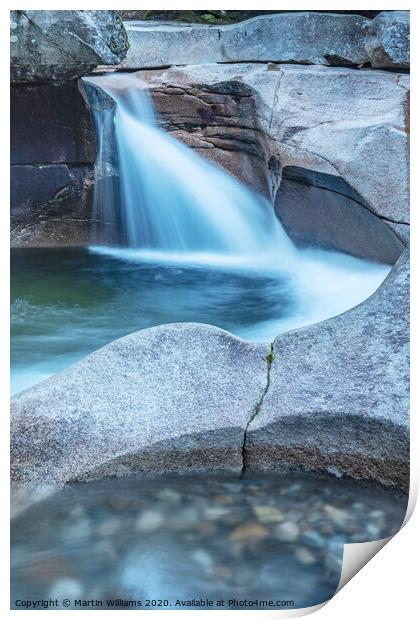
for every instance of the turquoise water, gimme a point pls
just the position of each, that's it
(68, 302)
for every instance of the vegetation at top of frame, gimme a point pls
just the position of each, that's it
(219, 17)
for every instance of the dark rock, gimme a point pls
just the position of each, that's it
(52, 153)
(50, 205)
(50, 123)
(220, 122)
(62, 45)
(388, 40)
(324, 210)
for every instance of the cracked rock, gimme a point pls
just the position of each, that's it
(167, 399)
(338, 394)
(308, 38)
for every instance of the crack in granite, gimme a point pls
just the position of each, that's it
(269, 358)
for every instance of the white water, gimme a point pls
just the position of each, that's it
(175, 207)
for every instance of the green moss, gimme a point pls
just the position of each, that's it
(208, 17)
(270, 357)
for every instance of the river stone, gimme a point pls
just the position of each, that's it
(167, 399)
(388, 40)
(338, 393)
(62, 45)
(309, 38)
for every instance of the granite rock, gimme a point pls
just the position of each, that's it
(167, 399)
(308, 38)
(63, 45)
(388, 40)
(349, 124)
(338, 394)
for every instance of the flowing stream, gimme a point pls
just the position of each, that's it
(173, 201)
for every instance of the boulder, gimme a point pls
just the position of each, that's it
(338, 396)
(189, 398)
(166, 399)
(388, 40)
(308, 38)
(62, 45)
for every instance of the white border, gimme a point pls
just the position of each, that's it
(387, 585)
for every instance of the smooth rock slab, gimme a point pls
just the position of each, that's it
(338, 397)
(170, 398)
(308, 38)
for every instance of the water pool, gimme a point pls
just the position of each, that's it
(68, 302)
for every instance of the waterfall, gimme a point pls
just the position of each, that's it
(165, 198)
(156, 200)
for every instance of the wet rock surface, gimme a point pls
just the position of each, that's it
(53, 148)
(271, 538)
(63, 45)
(51, 205)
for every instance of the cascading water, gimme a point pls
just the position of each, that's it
(172, 200)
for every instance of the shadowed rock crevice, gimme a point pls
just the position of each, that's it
(322, 209)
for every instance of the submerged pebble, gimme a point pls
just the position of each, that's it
(287, 531)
